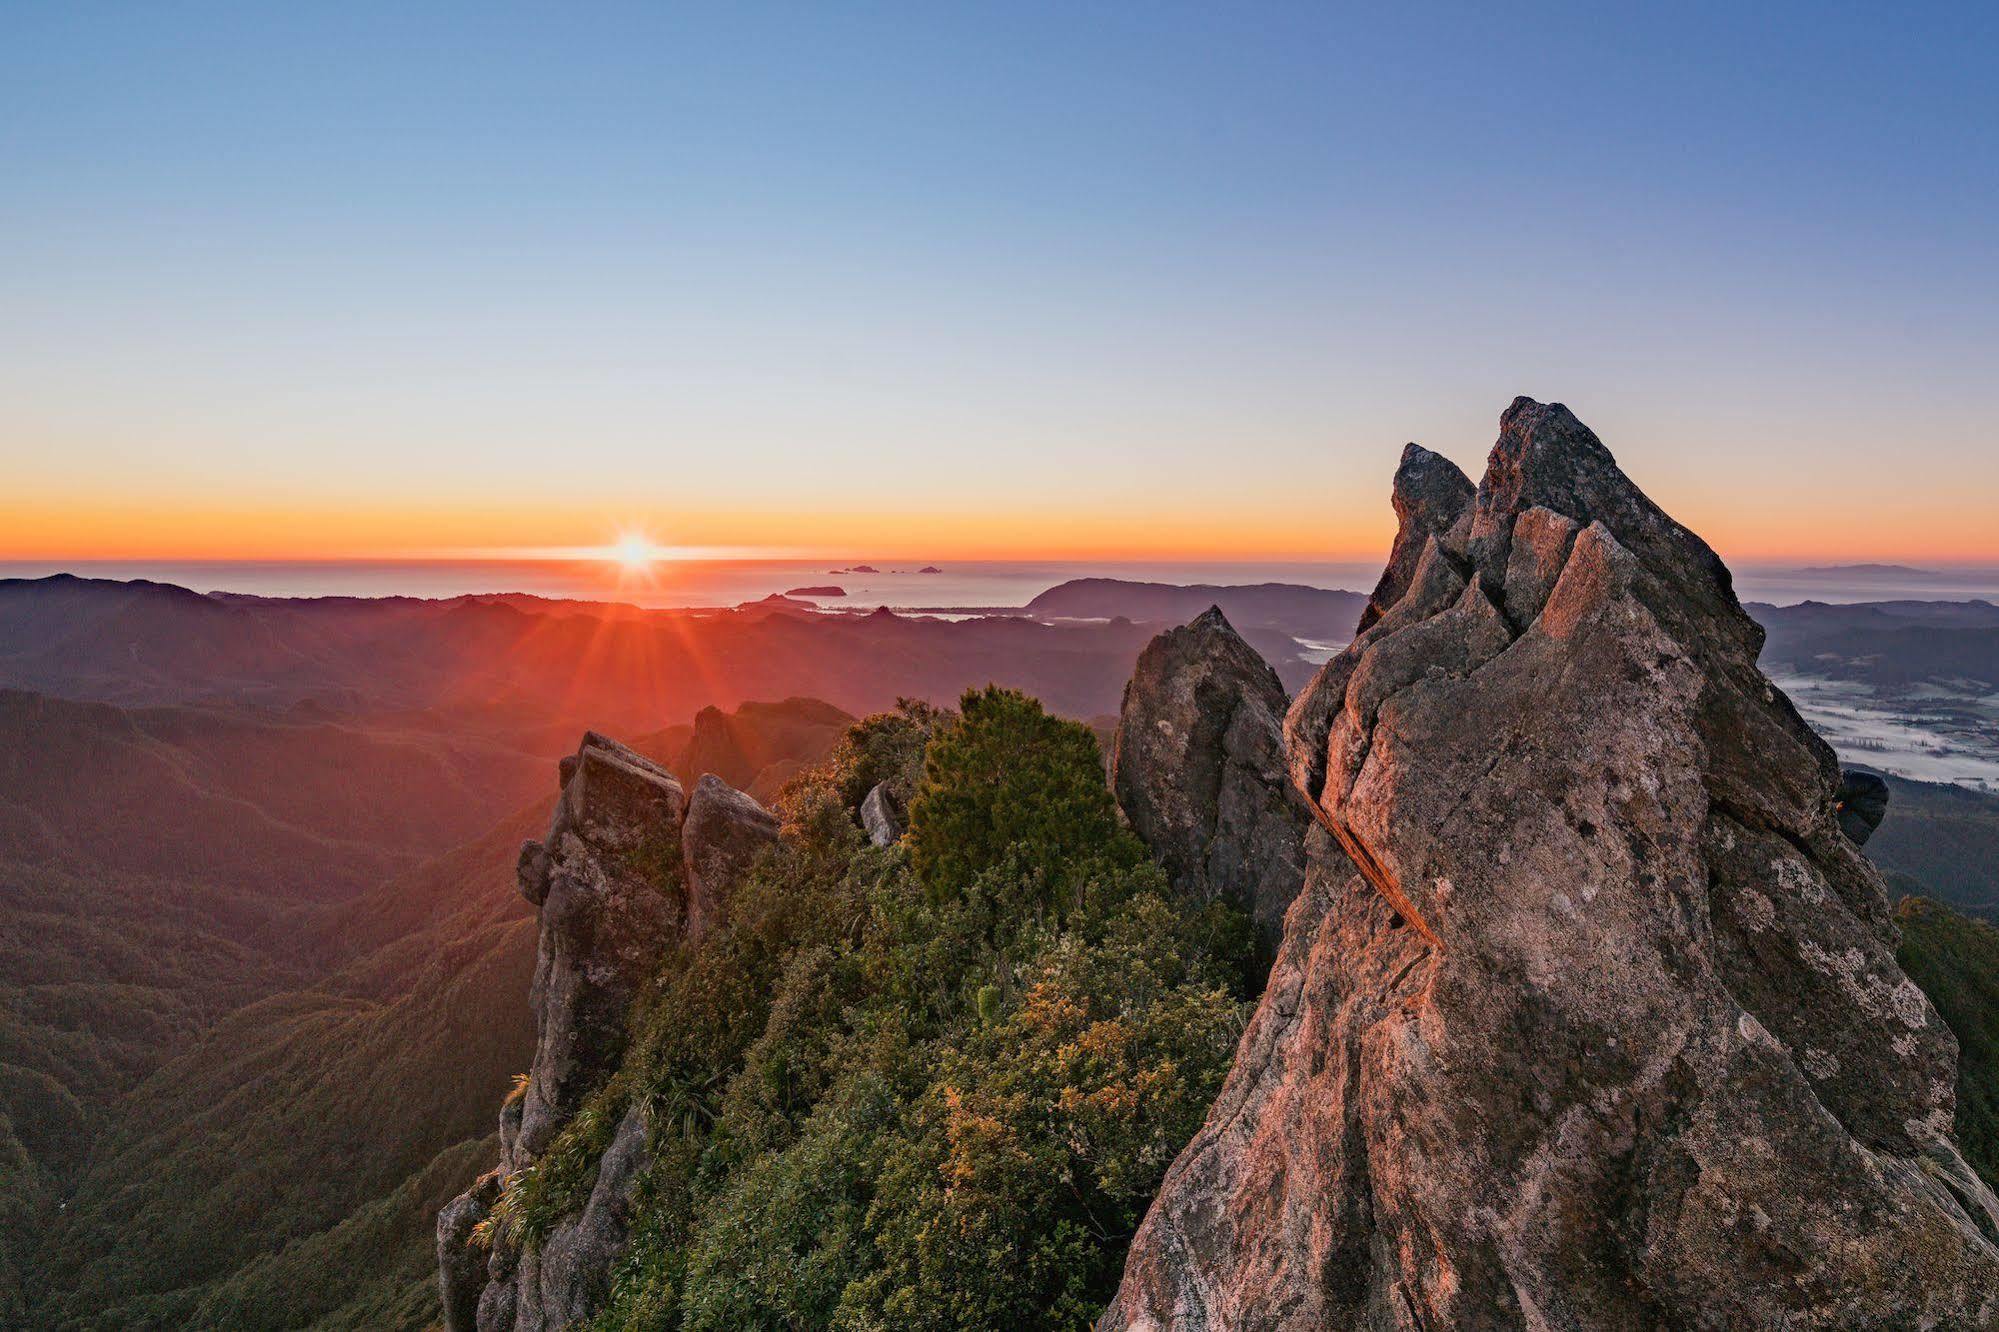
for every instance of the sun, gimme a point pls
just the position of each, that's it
(633, 551)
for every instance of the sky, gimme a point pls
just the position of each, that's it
(956, 281)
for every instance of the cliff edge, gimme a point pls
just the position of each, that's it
(631, 869)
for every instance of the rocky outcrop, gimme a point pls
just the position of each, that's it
(461, 1263)
(724, 833)
(1432, 498)
(1588, 1014)
(882, 815)
(564, 1281)
(1198, 767)
(1862, 804)
(630, 870)
(611, 906)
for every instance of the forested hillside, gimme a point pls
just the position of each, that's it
(931, 1084)
(248, 1047)
(1956, 961)
(263, 976)
(1947, 839)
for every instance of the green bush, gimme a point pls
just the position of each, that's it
(887, 747)
(883, 1099)
(1008, 784)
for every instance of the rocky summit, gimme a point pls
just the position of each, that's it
(630, 870)
(1588, 1013)
(1198, 766)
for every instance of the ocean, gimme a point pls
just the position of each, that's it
(897, 584)
(965, 584)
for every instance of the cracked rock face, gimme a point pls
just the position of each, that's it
(564, 1282)
(608, 915)
(1862, 804)
(1588, 1013)
(1432, 499)
(630, 869)
(461, 1264)
(724, 832)
(1198, 767)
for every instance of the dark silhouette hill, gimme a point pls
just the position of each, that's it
(1885, 642)
(514, 665)
(1301, 612)
(1946, 838)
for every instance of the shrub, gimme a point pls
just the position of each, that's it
(879, 1099)
(1008, 784)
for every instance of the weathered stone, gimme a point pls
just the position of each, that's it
(629, 870)
(569, 1277)
(461, 1264)
(724, 832)
(500, 1302)
(1601, 1026)
(1862, 804)
(1434, 586)
(618, 795)
(881, 815)
(510, 1130)
(1541, 541)
(612, 905)
(1198, 767)
(531, 872)
(1433, 500)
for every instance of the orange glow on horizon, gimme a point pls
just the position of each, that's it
(1343, 526)
(283, 532)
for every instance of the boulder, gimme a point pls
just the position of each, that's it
(724, 832)
(1862, 804)
(1588, 1014)
(617, 795)
(882, 815)
(1198, 767)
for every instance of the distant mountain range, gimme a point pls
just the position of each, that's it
(1884, 642)
(553, 667)
(1868, 570)
(1306, 613)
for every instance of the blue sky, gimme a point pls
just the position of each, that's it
(1179, 277)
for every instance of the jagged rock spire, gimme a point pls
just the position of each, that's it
(1198, 768)
(1597, 1022)
(608, 915)
(1432, 498)
(629, 870)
